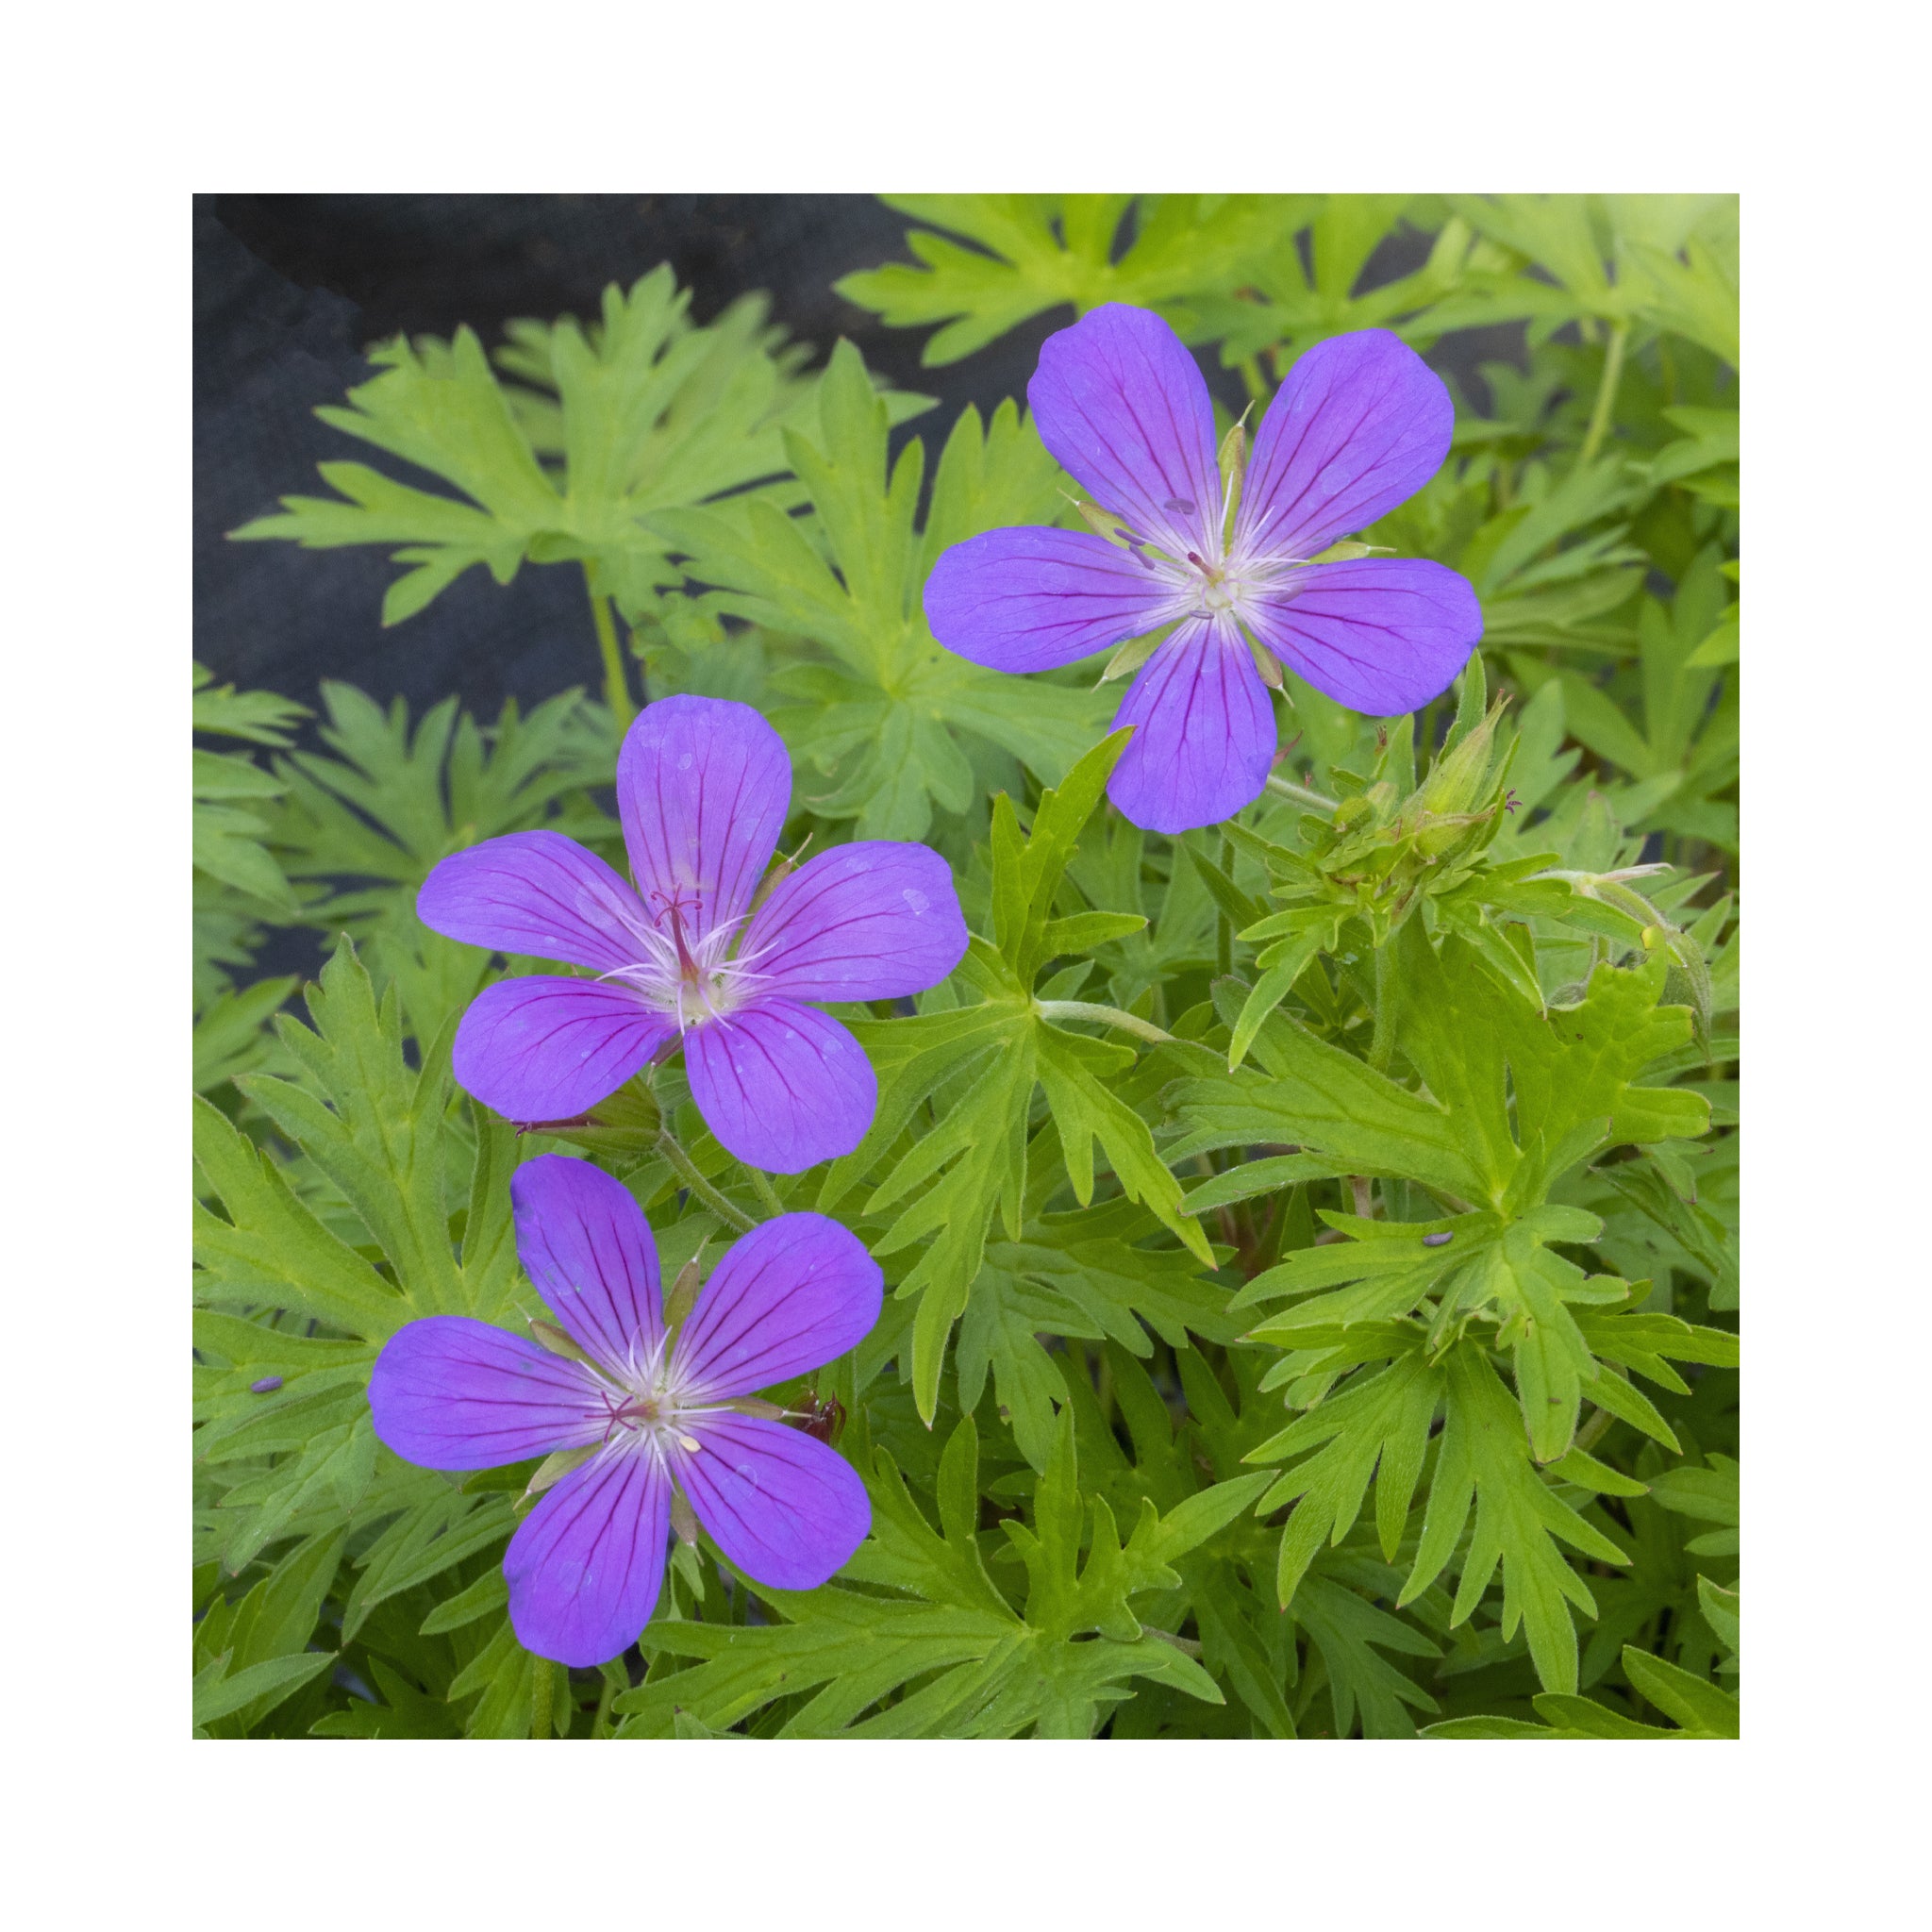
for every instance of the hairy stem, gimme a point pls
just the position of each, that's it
(768, 1195)
(1287, 788)
(1103, 1016)
(686, 1170)
(1594, 1428)
(1605, 396)
(1586, 880)
(616, 686)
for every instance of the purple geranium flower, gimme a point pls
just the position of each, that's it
(1359, 424)
(703, 787)
(644, 1411)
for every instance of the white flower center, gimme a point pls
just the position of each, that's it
(692, 979)
(649, 1407)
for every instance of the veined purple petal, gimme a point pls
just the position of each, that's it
(1203, 735)
(449, 1393)
(534, 892)
(1382, 635)
(547, 1049)
(586, 1566)
(1126, 412)
(1032, 598)
(784, 1508)
(782, 1086)
(585, 1243)
(703, 786)
(1359, 424)
(876, 920)
(788, 1297)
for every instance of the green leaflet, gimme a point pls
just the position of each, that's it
(1699, 1708)
(251, 1654)
(1672, 258)
(1048, 1669)
(1519, 1522)
(901, 723)
(640, 412)
(949, 1179)
(240, 884)
(1036, 251)
(375, 815)
(1378, 1424)
(380, 1135)
(1678, 729)
(1573, 1077)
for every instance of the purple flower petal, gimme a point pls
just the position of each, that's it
(449, 1393)
(703, 786)
(784, 1508)
(584, 1568)
(1123, 409)
(546, 1049)
(791, 1294)
(782, 1086)
(876, 920)
(534, 892)
(1381, 636)
(1033, 599)
(1205, 734)
(1360, 423)
(585, 1243)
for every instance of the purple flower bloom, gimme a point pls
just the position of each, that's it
(703, 787)
(1360, 424)
(650, 1411)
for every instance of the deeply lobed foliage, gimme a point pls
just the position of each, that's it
(1311, 1243)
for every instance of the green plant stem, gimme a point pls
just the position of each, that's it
(686, 1170)
(1104, 1016)
(1594, 1428)
(615, 1677)
(1583, 879)
(542, 1681)
(768, 1195)
(1224, 928)
(1388, 1001)
(1605, 396)
(1285, 787)
(616, 686)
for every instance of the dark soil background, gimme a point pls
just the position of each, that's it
(289, 289)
